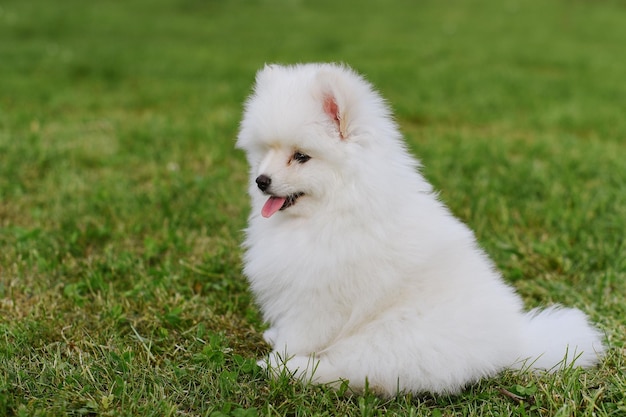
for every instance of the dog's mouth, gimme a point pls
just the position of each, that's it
(277, 203)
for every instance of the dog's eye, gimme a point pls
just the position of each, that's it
(300, 157)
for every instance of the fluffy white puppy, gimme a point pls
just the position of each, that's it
(360, 271)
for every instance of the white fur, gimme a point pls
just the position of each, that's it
(368, 275)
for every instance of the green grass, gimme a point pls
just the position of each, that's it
(122, 199)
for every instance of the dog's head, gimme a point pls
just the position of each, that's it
(300, 129)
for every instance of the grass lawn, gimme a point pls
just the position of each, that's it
(122, 198)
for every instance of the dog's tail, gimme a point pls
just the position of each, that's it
(560, 337)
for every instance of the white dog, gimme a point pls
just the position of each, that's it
(362, 274)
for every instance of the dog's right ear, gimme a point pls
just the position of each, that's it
(265, 73)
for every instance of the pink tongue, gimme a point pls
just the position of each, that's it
(272, 205)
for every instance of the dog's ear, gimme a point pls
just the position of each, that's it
(265, 74)
(331, 82)
(331, 108)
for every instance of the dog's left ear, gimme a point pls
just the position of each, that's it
(331, 80)
(332, 110)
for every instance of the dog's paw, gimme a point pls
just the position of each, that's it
(262, 363)
(298, 366)
(270, 336)
(303, 368)
(274, 363)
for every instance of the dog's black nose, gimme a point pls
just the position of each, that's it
(263, 182)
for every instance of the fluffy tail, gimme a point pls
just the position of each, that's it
(559, 337)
